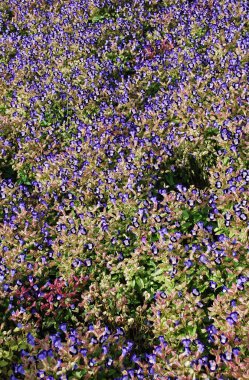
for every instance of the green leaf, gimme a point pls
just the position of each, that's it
(191, 330)
(197, 217)
(79, 374)
(140, 282)
(14, 348)
(99, 17)
(3, 363)
(23, 346)
(154, 237)
(226, 160)
(186, 225)
(153, 89)
(169, 179)
(185, 215)
(211, 132)
(158, 272)
(2, 110)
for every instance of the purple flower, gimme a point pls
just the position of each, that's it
(203, 259)
(129, 345)
(162, 341)
(88, 262)
(173, 260)
(134, 358)
(223, 339)
(212, 365)
(227, 356)
(151, 358)
(212, 329)
(234, 315)
(83, 351)
(120, 331)
(213, 284)
(186, 342)
(230, 321)
(126, 242)
(163, 294)
(109, 362)
(200, 346)
(50, 353)
(73, 350)
(195, 292)
(92, 362)
(56, 341)
(187, 351)
(42, 355)
(18, 369)
(104, 350)
(93, 340)
(41, 374)
(188, 263)
(30, 339)
(24, 353)
(236, 351)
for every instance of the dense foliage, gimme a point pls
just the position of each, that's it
(124, 180)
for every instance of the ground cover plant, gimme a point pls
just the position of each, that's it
(124, 180)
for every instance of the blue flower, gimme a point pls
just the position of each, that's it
(236, 351)
(56, 341)
(188, 263)
(73, 350)
(105, 350)
(18, 369)
(234, 315)
(195, 292)
(63, 327)
(30, 339)
(92, 362)
(223, 339)
(109, 362)
(83, 351)
(42, 355)
(186, 342)
(213, 284)
(151, 358)
(212, 365)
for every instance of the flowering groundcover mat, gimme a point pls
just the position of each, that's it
(124, 189)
